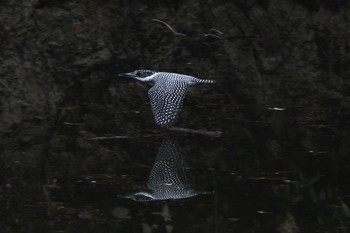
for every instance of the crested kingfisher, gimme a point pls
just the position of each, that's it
(169, 178)
(167, 94)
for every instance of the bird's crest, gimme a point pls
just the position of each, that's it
(144, 73)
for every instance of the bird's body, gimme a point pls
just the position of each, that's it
(167, 93)
(168, 179)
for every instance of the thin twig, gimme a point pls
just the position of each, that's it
(216, 30)
(170, 27)
(212, 35)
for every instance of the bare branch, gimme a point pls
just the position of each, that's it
(170, 27)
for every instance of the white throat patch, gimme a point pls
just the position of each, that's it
(148, 78)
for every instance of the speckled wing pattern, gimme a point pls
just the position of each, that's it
(166, 98)
(168, 178)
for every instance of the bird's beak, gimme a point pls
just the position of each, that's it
(129, 196)
(126, 75)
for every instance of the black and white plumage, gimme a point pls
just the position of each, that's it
(167, 93)
(168, 179)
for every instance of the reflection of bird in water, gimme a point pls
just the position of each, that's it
(167, 93)
(167, 180)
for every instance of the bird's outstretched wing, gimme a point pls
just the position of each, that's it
(166, 101)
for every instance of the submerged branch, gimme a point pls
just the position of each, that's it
(162, 133)
(214, 134)
(127, 136)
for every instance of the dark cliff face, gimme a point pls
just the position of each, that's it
(59, 87)
(62, 55)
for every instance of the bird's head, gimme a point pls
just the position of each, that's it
(142, 75)
(139, 196)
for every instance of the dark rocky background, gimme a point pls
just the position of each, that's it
(59, 89)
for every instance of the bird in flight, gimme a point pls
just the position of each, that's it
(167, 93)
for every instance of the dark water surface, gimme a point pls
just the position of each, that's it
(272, 173)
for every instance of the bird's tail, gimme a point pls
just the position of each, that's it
(206, 81)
